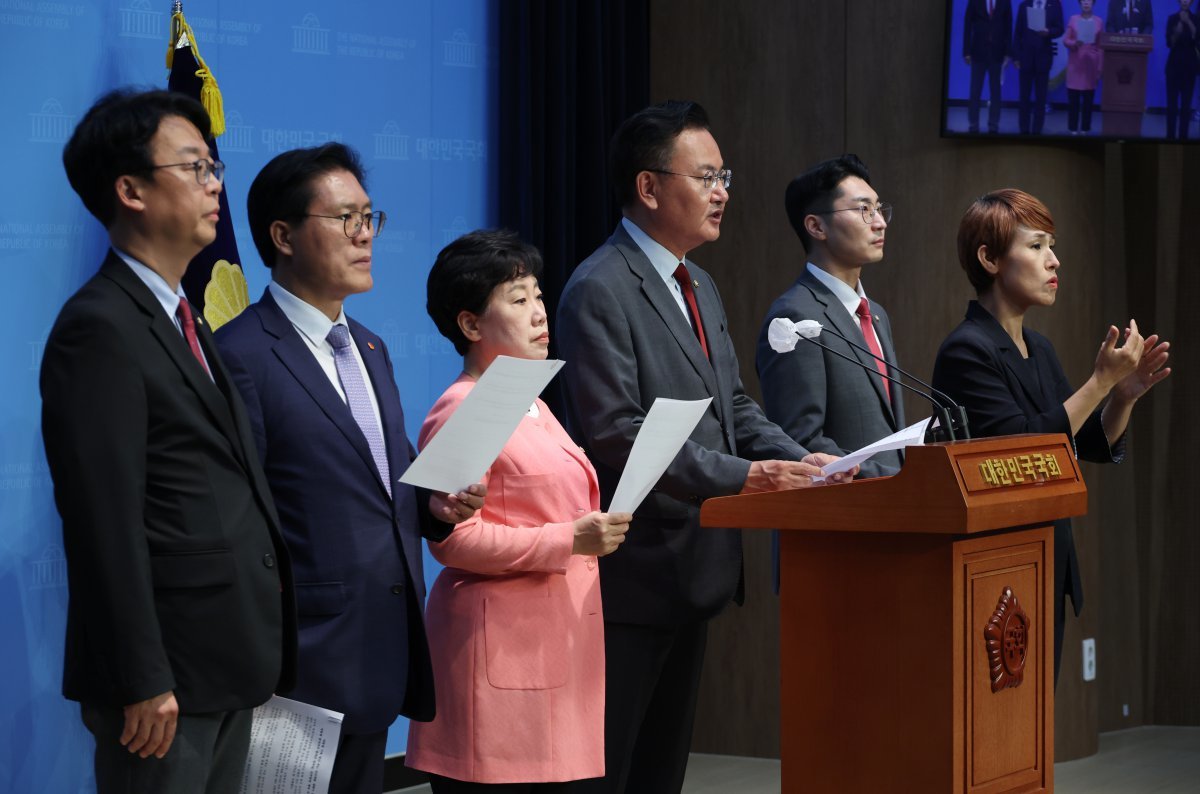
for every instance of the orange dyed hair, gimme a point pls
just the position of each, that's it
(992, 220)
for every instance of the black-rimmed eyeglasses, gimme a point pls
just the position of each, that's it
(868, 212)
(203, 169)
(709, 180)
(353, 221)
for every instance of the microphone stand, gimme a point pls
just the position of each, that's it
(950, 417)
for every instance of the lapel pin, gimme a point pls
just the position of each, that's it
(695, 284)
(371, 345)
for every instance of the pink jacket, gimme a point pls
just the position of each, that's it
(1085, 63)
(515, 626)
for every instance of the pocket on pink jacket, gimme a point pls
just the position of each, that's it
(525, 638)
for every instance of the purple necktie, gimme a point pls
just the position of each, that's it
(358, 399)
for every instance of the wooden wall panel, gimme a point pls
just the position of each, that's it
(789, 84)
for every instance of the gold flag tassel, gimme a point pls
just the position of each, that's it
(210, 93)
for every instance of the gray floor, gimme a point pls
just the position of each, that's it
(1156, 759)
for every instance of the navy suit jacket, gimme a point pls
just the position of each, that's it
(981, 368)
(986, 38)
(626, 343)
(356, 553)
(826, 403)
(1033, 50)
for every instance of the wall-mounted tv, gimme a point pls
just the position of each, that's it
(1109, 69)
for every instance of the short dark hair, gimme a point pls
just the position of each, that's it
(815, 190)
(284, 188)
(646, 140)
(992, 221)
(113, 139)
(468, 270)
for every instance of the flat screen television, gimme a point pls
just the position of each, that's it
(1134, 63)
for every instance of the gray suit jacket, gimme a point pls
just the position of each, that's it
(626, 343)
(825, 402)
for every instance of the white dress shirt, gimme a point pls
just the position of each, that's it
(167, 298)
(313, 326)
(664, 263)
(850, 298)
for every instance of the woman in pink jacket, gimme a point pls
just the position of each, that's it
(1084, 63)
(515, 625)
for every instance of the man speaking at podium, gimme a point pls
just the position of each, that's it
(640, 321)
(826, 403)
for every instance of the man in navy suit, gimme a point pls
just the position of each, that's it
(824, 401)
(987, 31)
(1033, 53)
(326, 418)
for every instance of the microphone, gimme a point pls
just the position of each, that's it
(783, 334)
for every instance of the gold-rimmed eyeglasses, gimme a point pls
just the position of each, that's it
(868, 212)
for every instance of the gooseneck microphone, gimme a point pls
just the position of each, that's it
(952, 418)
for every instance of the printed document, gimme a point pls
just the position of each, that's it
(663, 432)
(292, 745)
(471, 439)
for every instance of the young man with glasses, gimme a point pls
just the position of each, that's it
(639, 320)
(330, 431)
(826, 403)
(180, 618)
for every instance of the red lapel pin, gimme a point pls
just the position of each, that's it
(371, 345)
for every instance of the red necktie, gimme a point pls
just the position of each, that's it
(188, 324)
(868, 332)
(689, 295)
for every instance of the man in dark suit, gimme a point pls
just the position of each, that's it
(329, 428)
(1126, 16)
(180, 617)
(987, 30)
(637, 321)
(1033, 54)
(826, 403)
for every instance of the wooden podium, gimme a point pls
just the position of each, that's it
(916, 619)
(1123, 95)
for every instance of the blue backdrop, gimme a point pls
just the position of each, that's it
(410, 85)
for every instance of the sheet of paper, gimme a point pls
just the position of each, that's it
(292, 745)
(663, 432)
(1035, 18)
(1086, 30)
(473, 436)
(911, 436)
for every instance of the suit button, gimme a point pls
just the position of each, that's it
(397, 589)
(268, 561)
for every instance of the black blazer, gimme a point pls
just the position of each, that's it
(981, 369)
(179, 580)
(626, 342)
(360, 585)
(1032, 50)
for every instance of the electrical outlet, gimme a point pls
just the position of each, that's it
(1089, 659)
